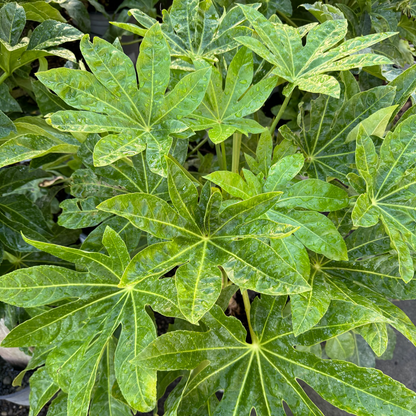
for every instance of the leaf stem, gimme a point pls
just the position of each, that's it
(279, 114)
(247, 308)
(288, 20)
(132, 42)
(224, 155)
(236, 152)
(219, 156)
(199, 145)
(3, 77)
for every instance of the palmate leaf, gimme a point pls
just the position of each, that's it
(265, 373)
(325, 130)
(44, 40)
(96, 305)
(194, 30)
(306, 67)
(367, 280)
(223, 109)
(203, 236)
(300, 202)
(389, 194)
(135, 119)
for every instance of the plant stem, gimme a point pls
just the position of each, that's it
(132, 42)
(288, 20)
(219, 156)
(236, 152)
(279, 114)
(3, 77)
(247, 307)
(224, 155)
(198, 146)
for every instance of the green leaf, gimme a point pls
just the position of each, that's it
(100, 307)
(34, 138)
(6, 125)
(390, 189)
(7, 102)
(368, 279)
(42, 389)
(323, 137)
(52, 33)
(12, 23)
(232, 183)
(207, 239)
(323, 11)
(315, 195)
(266, 371)
(305, 66)
(313, 229)
(223, 109)
(40, 11)
(141, 115)
(405, 85)
(102, 399)
(340, 347)
(92, 185)
(47, 102)
(195, 31)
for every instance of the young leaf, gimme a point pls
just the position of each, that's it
(194, 30)
(222, 110)
(142, 118)
(306, 66)
(262, 375)
(314, 230)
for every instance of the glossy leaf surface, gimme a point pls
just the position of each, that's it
(202, 237)
(135, 119)
(263, 375)
(95, 303)
(222, 111)
(389, 181)
(306, 66)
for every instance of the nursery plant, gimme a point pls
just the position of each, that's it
(273, 244)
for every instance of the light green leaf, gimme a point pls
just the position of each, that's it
(100, 306)
(390, 189)
(340, 347)
(139, 111)
(42, 389)
(282, 172)
(40, 11)
(222, 110)
(323, 11)
(266, 371)
(305, 66)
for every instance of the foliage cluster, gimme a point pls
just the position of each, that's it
(264, 149)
